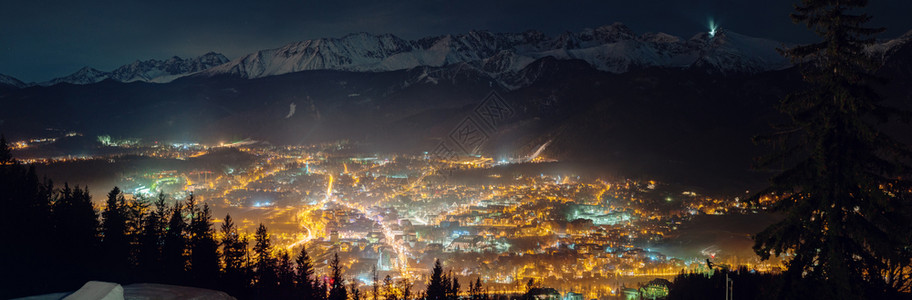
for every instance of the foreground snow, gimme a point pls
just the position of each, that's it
(97, 290)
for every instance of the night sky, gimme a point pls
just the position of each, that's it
(40, 39)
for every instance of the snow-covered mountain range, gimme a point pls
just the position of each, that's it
(152, 70)
(611, 48)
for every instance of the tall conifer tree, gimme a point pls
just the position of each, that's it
(304, 273)
(437, 284)
(204, 257)
(6, 156)
(266, 277)
(114, 242)
(840, 194)
(175, 245)
(337, 289)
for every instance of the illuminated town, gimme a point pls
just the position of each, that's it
(456, 150)
(399, 212)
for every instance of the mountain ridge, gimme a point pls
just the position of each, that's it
(613, 48)
(152, 70)
(11, 81)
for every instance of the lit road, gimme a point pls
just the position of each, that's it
(304, 215)
(399, 247)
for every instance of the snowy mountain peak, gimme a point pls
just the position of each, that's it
(11, 81)
(612, 33)
(88, 71)
(731, 52)
(164, 71)
(86, 75)
(152, 70)
(884, 48)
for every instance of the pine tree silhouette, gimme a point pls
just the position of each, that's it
(354, 291)
(337, 289)
(266, 277)
(844, 181)
(114, 242)
(174, 259)
(234, 251)
(76, 224)
(286, 274)
(437, 284)
(476, 292)
(151, 240)
(204, 257)
(29, 228)
(6, 157)
(304, 274)
(452, 289)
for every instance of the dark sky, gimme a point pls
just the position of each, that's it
(42, 39)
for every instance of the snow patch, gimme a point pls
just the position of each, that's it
(291, 110)
(98, 290)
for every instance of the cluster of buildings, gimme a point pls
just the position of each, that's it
(580, 237)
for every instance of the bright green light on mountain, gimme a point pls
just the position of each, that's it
(712, 28)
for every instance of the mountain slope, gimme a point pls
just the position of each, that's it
(86, 75)
(6, 80)
(153, 70)
(166, 70)
(639, 122)
(662, 121)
